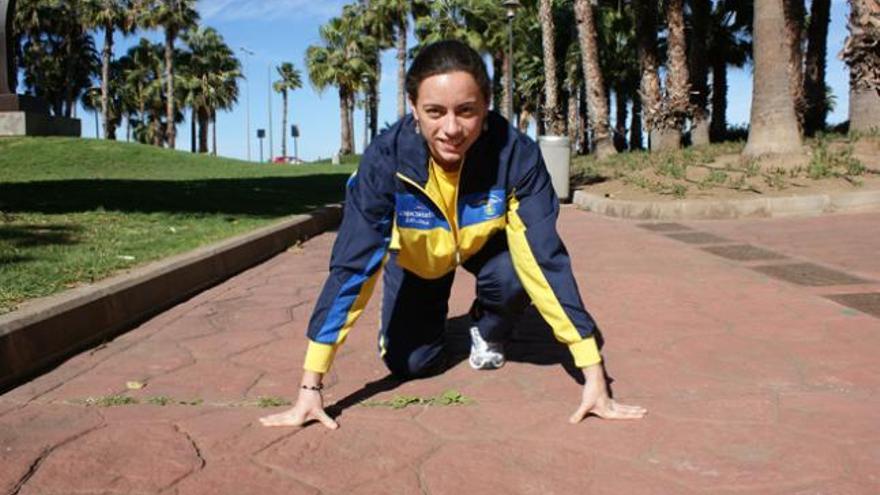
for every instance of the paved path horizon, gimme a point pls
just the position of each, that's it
(754, 382)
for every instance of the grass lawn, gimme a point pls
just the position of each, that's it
(73, 211)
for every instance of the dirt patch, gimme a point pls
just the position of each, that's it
(841, 164)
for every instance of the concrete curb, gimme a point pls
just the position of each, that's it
(50, 329)
(768, 207)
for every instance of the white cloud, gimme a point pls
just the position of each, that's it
(231, 10)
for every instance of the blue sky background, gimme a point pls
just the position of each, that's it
(281, 30)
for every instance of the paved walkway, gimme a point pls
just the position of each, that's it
(755, 383)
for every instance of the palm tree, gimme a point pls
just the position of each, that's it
(814, 68)
(57, 54)
(290, 80)
(91, 101)
(548, 43)
(860, 54)
(618, 58)
(698, 69)
(676, 101)
(773, 126)
(209, 66)
(224, 94)
(649, 63)
(339, 62)
(108, 15)
(794, 30)
(142, 90)
(174, 17)
(729, 45)
(397, 12)
(596, 102)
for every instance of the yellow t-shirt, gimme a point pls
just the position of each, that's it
(443, 188)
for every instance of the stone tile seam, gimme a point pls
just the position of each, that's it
(786, 260)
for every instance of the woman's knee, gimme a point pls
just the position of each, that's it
(418, 363)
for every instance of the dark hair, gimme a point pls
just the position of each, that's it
(444, 57)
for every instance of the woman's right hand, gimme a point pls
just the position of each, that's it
(309, 407)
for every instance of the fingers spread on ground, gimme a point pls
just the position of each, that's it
(579, 415)
(282, 419)
(325, 420)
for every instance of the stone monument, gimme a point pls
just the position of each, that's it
(22, 115)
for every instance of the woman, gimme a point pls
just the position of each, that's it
(452, 184)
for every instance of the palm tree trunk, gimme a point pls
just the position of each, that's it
(649, 62)
(572, 118)
(596, 106)
(718, 125)
(793, 10)
(345, 147)
(676, 107)
(548, 43)
(374, 98)
(284, 123)
(540, 128)
(583, 121)
(169, 87)
(861, 56)
(699, 71)
(864, 109)
(773, 126)
(814, 70)
(497, 83)
(204, 122)
(105, 79)
(213, 132)
(192, 130)
(635, 127)
(621, 113)
(506, 94)
(401, 67)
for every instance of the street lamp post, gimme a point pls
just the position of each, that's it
(248, 101)
(261, 133)
(511, 6)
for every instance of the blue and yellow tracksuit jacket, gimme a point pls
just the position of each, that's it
(504, 189)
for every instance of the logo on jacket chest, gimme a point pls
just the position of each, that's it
(482, 207)
(413, 213)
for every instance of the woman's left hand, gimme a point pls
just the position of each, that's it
(595, 400)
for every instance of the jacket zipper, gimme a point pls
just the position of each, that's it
(442, 208)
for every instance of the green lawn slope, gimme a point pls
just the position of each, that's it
(73, 211)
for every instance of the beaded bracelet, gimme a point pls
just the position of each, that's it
(316, 388)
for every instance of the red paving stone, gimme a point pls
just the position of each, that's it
(754, 385)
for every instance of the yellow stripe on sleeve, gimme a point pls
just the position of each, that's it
(538, 288)
(319, 357)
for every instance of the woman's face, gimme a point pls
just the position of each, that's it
(450, 111)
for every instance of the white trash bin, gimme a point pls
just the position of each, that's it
(557, 156)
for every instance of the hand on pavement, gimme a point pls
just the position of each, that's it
(595, 400)
(309, 407)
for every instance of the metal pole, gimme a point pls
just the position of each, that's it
(271, 146)
(261, 150)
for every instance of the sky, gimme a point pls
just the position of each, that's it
(277, 31)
